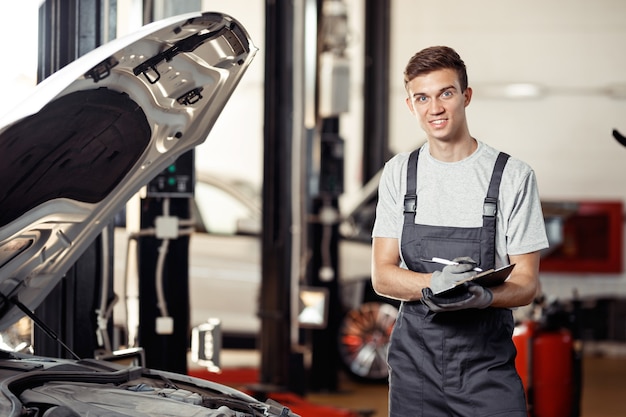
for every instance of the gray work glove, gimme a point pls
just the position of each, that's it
(451, 274)
(474, 296)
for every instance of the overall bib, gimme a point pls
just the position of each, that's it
(459, 363)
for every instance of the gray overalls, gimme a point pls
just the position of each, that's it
(459, 363)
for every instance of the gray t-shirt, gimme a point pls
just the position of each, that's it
(452, 194)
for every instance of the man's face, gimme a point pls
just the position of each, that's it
(436, 100)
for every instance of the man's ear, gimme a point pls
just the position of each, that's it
(409, 104)
(468, 96)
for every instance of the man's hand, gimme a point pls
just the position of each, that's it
(475, 297)
(451, 274)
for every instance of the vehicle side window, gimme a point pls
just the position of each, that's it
(221, 212)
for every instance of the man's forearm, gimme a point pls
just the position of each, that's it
(399, 283)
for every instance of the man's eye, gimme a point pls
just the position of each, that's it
(446, 94)
(421, 99)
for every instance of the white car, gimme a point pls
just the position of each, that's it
(225, 273)
(87, 140)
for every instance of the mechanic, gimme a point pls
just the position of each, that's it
(451, 353)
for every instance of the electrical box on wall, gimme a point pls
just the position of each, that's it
(177, 180)
(334, 77)
(585, 236)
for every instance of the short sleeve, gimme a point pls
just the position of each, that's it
(389, 216)
(526, 230)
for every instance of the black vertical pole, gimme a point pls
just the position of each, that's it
(164, 351)
(275, 301)
(324, 375)
(376, 95)
(67, 30)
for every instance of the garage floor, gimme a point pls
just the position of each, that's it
(604, 391)
(604, 386)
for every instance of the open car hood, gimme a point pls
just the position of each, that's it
(92, 134)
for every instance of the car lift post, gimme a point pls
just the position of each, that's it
(167, 199)
(324, 270)
(68, 30)
(333, 90)
(280, 367)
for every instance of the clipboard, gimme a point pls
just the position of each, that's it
(488, 278)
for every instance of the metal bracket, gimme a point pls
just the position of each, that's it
(190, 97)
(102, 70)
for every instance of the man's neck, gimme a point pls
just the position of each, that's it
(452, 151)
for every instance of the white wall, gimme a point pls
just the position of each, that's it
(235, 145)
(18, 72)
(571, 48)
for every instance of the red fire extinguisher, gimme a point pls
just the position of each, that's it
(549, 363)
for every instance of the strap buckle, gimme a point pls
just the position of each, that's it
(490, 207)
(410, 203)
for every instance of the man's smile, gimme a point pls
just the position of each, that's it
(438, 122)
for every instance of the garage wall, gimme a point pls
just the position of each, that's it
(18, 78)
(235, 145)
(575, 51)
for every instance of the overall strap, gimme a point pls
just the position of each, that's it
(410, 198)
(490, 207)
(490, 211)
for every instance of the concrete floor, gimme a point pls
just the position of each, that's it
(604, 386)
(604, 391)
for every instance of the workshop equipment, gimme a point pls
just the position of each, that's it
(549, 362)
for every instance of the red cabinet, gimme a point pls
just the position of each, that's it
(585, 236)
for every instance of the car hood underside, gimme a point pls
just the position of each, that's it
(78, 147)
(95, 132)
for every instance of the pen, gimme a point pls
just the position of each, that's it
(449, 262)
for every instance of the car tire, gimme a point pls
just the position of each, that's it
(364, 334)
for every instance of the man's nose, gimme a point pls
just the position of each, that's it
(436, 107)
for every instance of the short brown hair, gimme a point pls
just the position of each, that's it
(435, 58)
